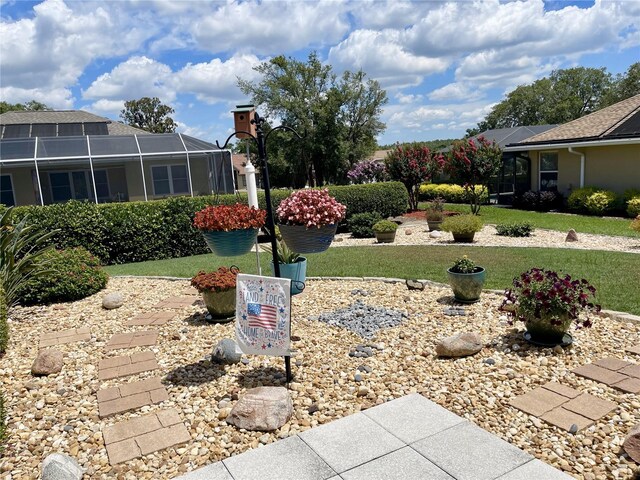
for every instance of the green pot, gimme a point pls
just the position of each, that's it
(467, 287)
(221, 305)
(543, 331)
(463, 237)
(434, 225)
(385, 237)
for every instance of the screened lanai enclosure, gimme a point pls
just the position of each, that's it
(111, 168)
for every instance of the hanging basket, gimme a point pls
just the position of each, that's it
(231, 244)
(301, 239)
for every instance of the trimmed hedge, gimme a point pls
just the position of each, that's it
(361, 224)
(451, 192)
(140, 231)
(538, 201)
(71, 274)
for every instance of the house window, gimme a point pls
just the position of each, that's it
(77, 185)
(6, 190)
(549, 171)
(170, 179)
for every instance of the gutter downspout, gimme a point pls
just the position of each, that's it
(571, 150)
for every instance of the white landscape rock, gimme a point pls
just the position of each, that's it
(58, 466)
(460, 345)
(112, 300)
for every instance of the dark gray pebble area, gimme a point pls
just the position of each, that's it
(362, 319)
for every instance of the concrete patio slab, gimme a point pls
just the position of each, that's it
(402, 464)
(359, 448)
(290, 458)
(467, 452)
(350, 441)
(411, 419)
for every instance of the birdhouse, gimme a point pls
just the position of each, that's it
(242, 116)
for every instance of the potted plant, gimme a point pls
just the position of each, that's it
(218, 291)
(385, 231)
(435, 214)
(308, 220)
(463, 227)
(466, 280)
(548, 303)
(229, 230)
(292, 266)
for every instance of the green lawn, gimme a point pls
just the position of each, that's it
(616, 275)
(551, 221)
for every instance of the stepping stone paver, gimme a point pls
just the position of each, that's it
(72, 335)
(614, 372)
(190, 291)
(635, 349)
(563, 406)
(143, 435)
(143, 338)
(130, 396)
(365, 446)
(176, 302)
(125, 365)
(151, 318)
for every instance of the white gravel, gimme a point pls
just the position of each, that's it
(416, 233)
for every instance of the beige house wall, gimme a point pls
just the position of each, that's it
(23, 191)
(615, 168)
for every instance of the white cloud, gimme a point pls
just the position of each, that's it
(135, 78)
(217, 80)
(382, 57)
(58, 98)
(410, 98)
(270, 27)
(455, 91)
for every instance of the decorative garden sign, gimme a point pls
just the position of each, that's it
(263, 314)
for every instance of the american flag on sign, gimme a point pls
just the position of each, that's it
(263, 316)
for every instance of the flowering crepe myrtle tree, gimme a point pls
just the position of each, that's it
(413, 165)
(367, 171)
(472, 163)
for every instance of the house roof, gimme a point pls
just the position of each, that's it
(618, 121)
(239, 161)
(506, 136)
(66, 116)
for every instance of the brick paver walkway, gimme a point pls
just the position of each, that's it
(72, 335)
(176, 302)
(151, 318)
(635, 349)
(130, 396)
(143, 338)
(563, 406)
(614, 372)
(125, 365)
(143, 435)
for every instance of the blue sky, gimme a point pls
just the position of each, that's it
(443, 64)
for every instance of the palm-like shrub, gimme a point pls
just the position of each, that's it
(21, 250)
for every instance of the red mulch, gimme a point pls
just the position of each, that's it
(420, 214)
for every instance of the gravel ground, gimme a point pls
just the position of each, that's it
(59, 413)
(416, 233)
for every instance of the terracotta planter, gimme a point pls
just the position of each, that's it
(221, 305)
(385, 237)
(231, 244)
(301, 239)
(467, 287)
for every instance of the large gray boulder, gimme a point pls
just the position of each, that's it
(47, 362)
(263, 409)
(631, 444)
(460, 345)
(112, 300)
(226, 352)
(58, 466)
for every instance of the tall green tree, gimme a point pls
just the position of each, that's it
(337, 118)
(625, 85)
(149, 114)
(31, 106)
(563, 96)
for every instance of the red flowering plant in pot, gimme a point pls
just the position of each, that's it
(308, 220)
(548, 303)
(218, 291)
(230, 230)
